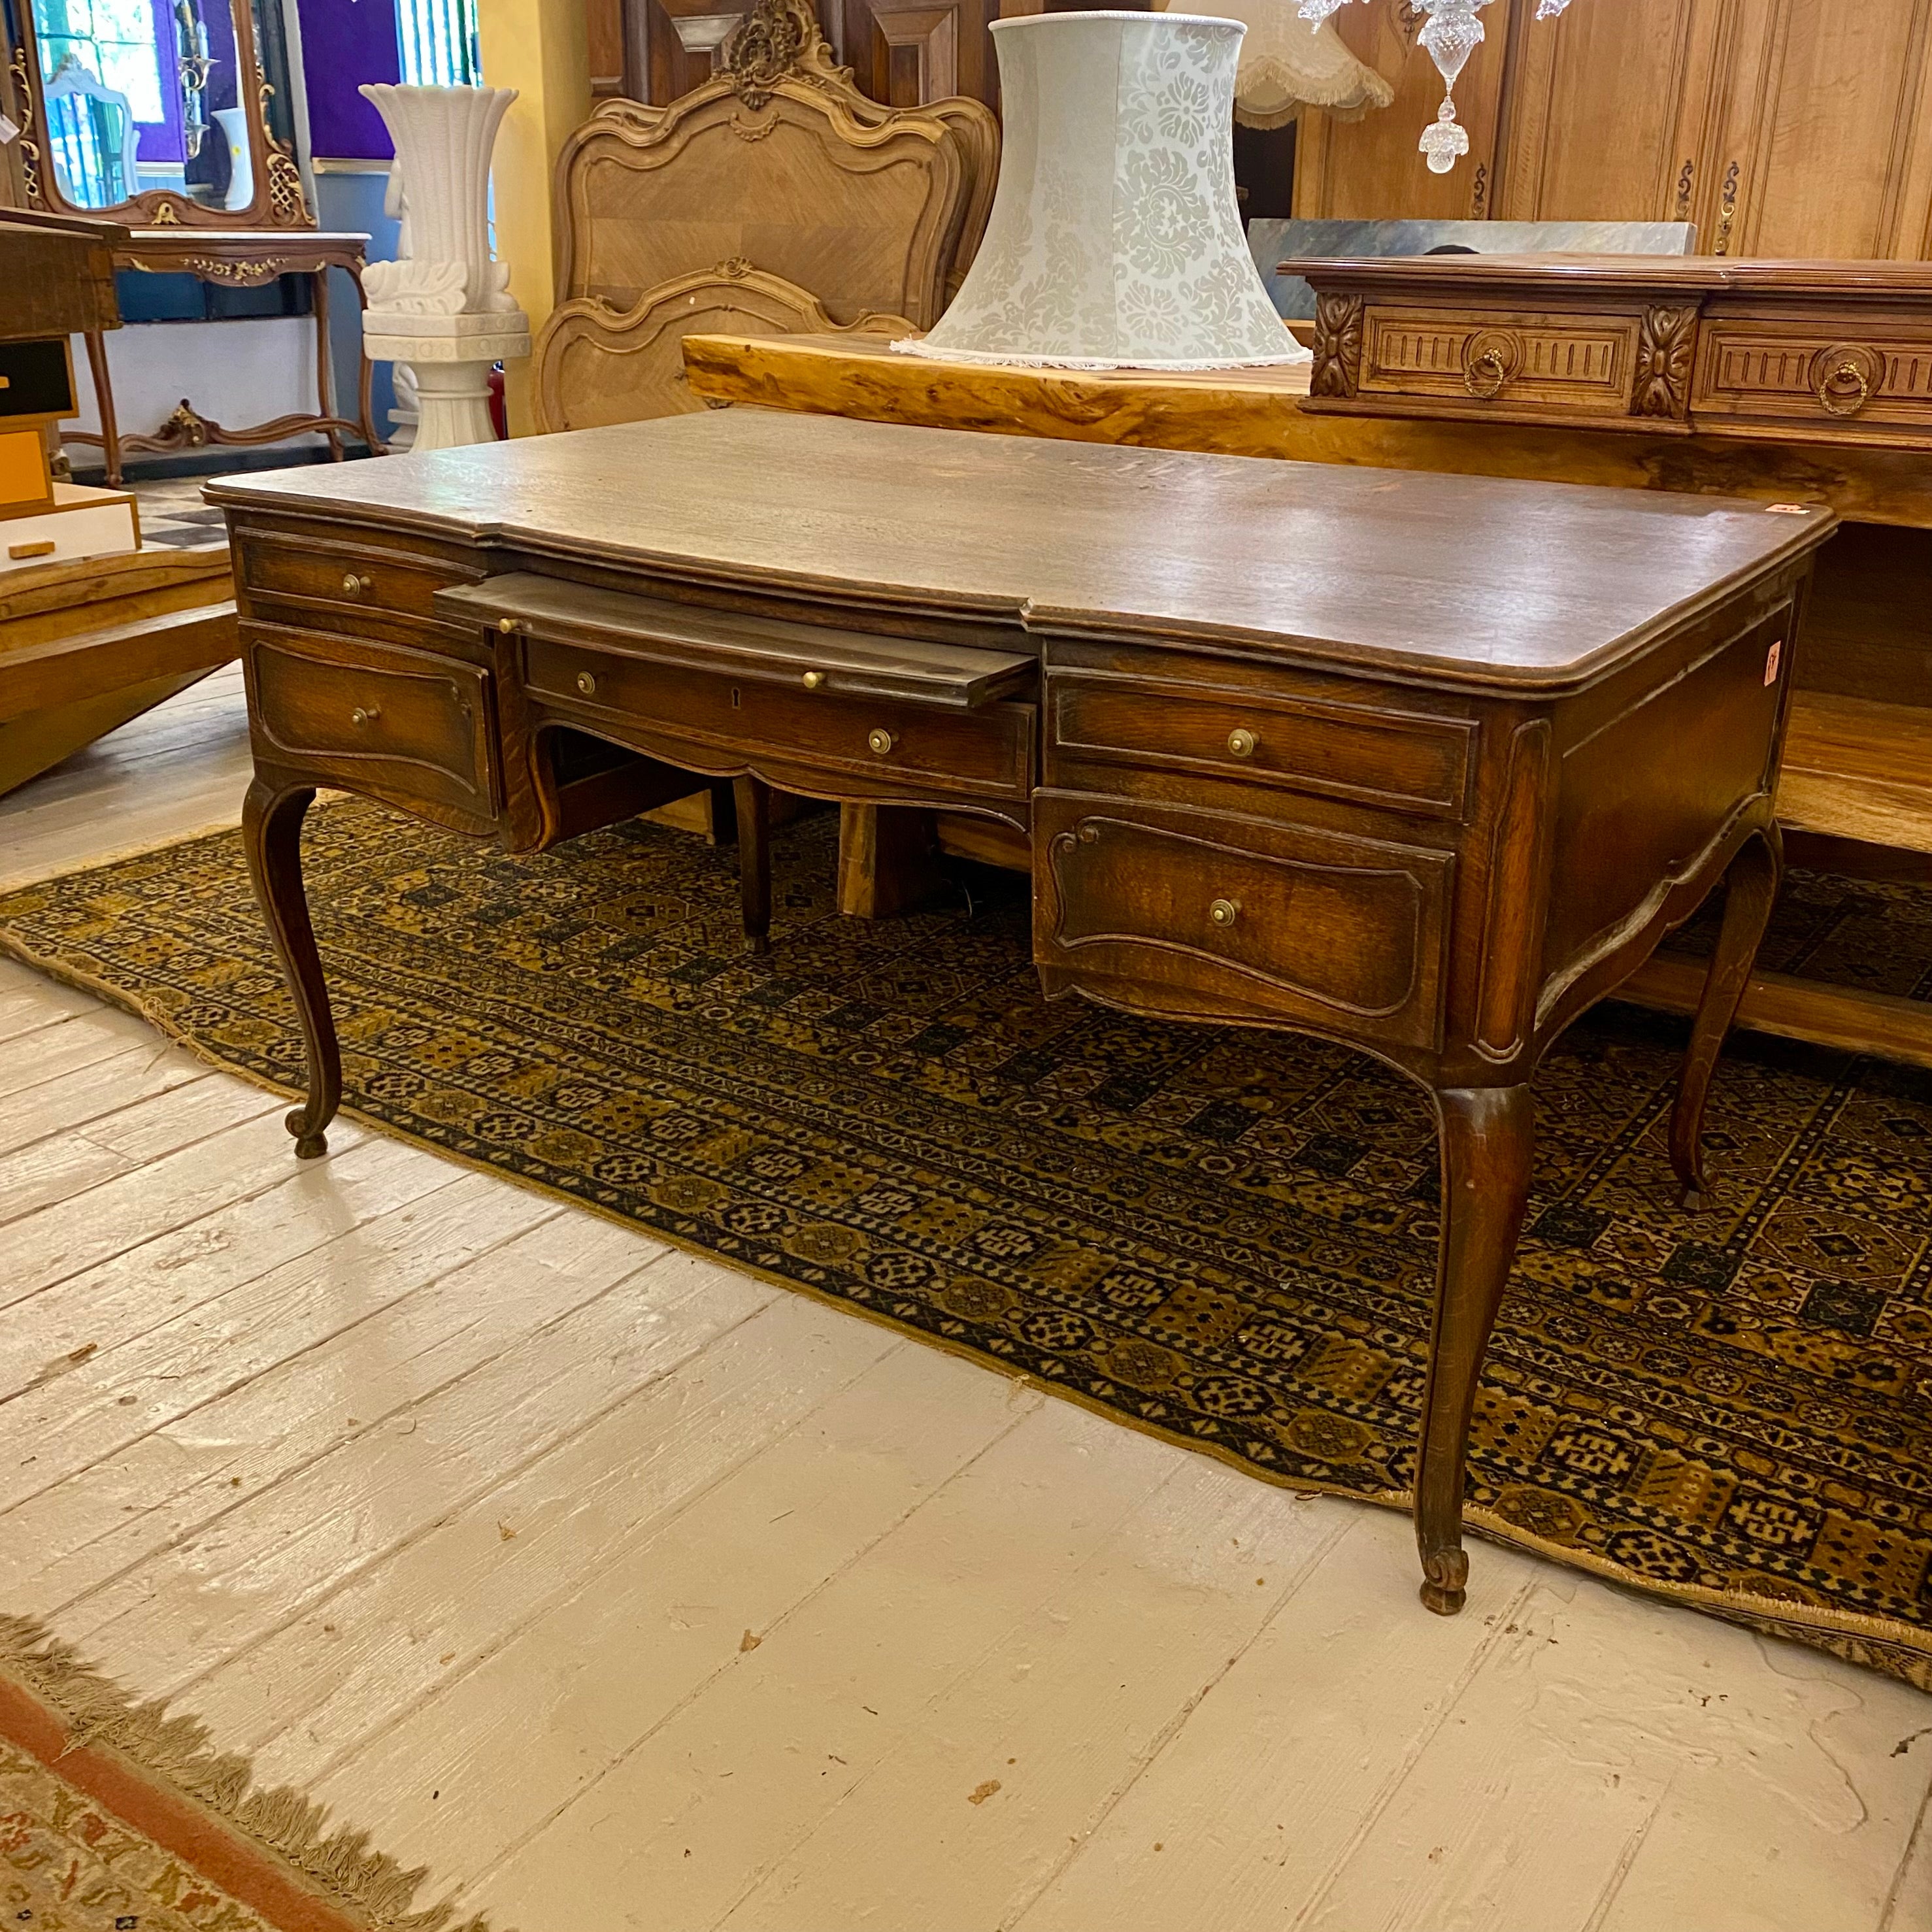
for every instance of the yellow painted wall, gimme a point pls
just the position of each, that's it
(540, 48)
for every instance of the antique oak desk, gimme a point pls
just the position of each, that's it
(1423, 764)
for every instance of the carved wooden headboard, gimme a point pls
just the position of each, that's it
(774, 199)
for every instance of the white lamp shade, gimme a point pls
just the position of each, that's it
(1115, 240)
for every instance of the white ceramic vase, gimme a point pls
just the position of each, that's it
(444, 308)
(1115, 240)
(233, 122)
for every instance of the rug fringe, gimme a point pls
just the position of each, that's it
(341, 1863)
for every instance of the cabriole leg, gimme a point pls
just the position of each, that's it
(1751, 889)
(1487, 1135)
(271, 822)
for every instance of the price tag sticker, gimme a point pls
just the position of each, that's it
(10, 131)
(1773, 658)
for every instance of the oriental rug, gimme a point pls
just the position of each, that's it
(119, 1817)
(1225, 1236)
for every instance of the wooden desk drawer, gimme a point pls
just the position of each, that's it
(402, 724)
(661, 706)
(1399, 761)
(1576, 364)
(1803, 375)
(1315, 926)
(342, 586)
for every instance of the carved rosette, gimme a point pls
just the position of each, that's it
(1665, 342)
(1338, 346)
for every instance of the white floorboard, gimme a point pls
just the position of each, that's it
(624, 1591)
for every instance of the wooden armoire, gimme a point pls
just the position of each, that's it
(1791, 128)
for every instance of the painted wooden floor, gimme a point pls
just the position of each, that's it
(624, 1591)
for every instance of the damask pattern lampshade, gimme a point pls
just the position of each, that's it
(1114, 241)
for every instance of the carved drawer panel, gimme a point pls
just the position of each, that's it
(1399, 761)
(1582, 364)
(1239, 916)
(401, 724)
(1793, 373)
(685, 714)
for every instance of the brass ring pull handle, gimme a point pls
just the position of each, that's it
(1241, 743)
(1485, 374)
(363, 716)
(881, 742)
(353, 586)
(1224, 912)
(1844, 390)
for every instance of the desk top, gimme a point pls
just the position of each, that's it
(1467, 581)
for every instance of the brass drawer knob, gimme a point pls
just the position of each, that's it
(1241, 743)
(508, 625)
(587, 683)
(1225, 912)
(363, 716)
(353, 586)
(881, 742)
(813, 680)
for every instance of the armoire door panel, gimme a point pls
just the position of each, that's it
(1607, 110)
(1822, 131)
(1372, 168)
(909, 52)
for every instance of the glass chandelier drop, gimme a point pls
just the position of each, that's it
(1450, 34)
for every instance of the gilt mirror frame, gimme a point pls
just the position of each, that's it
(278, 201)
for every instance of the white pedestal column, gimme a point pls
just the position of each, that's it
(444, 308)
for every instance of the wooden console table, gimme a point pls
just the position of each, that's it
(1721, 397)
(1332, 751)
(237, 259)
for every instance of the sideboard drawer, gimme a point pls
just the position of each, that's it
(1397, 760)
(662, 707)
(1320, 927)
(1801, 374)
(401, 724)
(1579, 364)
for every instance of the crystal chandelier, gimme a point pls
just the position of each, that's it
(1450, 34)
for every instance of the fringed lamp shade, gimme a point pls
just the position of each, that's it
(1288, 63)
(1114, 241)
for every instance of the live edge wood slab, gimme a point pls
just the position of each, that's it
(1422, 765)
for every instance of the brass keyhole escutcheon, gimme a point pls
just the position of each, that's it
(1224, 912)
(881, 742)
(363, 716)
(1241, 743)
(587, 683)
(353, 586)
(813, 680)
